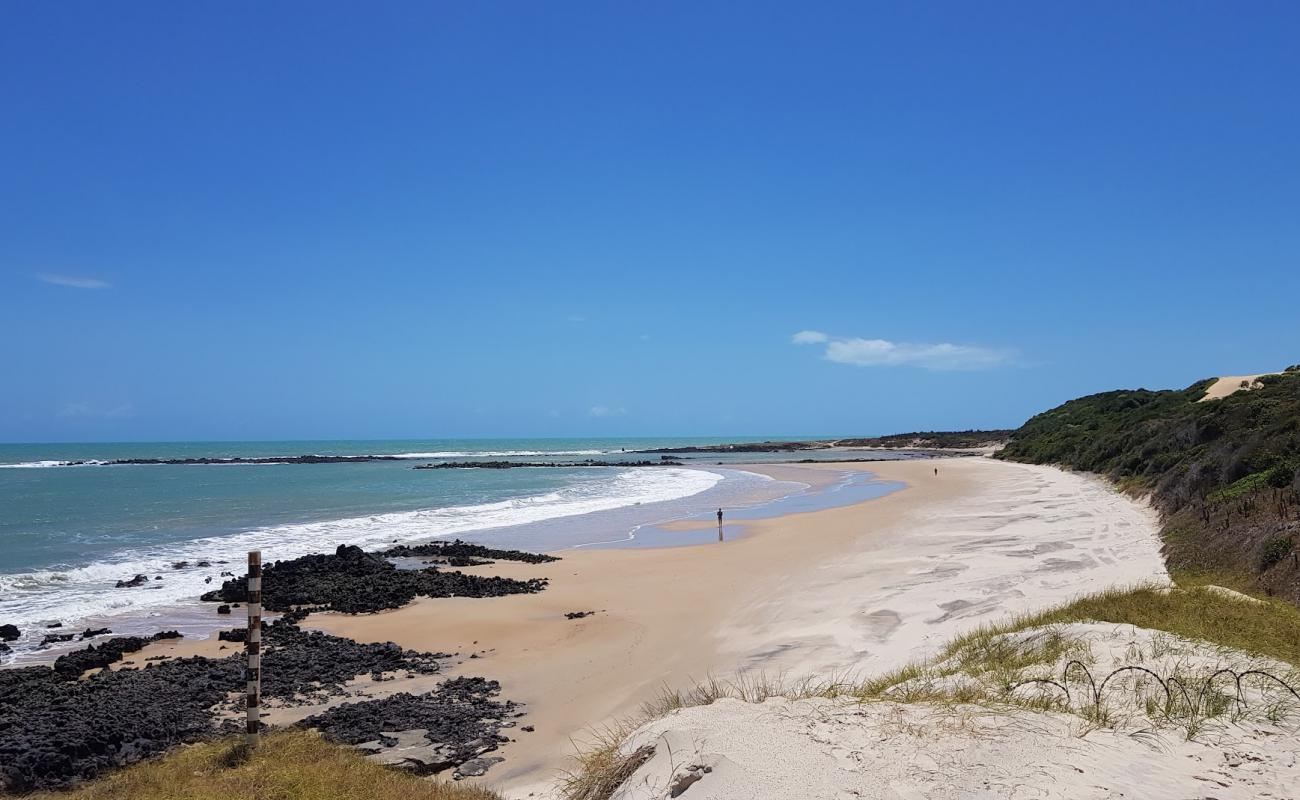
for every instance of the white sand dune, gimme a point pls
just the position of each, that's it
(815, 749)
(824, 749)
(1230, 384)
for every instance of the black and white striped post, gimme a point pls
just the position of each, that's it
(253, 644)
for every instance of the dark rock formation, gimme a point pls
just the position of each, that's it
(9, 633)
(92, 632)
(461, 721)
(223, 609)
(744, 447)
(354, 581)
(308, 459)
(71, 665)
(578, 614)
(56, 638)
(138, 580)
(459, 549)
(56, 729)
(568, 464)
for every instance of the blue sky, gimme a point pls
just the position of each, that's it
(298, 220)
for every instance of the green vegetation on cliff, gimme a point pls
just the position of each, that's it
(1222, 472)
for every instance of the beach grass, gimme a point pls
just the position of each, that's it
(288, 765)
(1266, 627)
(977, 667)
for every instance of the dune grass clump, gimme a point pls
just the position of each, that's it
(1264, 627)
(288, 765)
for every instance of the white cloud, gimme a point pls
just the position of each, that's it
(73, 281)
(884, 353)
(599, 410)
(809, 337)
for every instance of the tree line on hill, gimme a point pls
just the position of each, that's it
(1223, 473)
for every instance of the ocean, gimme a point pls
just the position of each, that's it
(69, 532)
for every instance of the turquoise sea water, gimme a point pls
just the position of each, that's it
(68, 533)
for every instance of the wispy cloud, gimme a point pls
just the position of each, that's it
(884, 353)
(809, 337)
(599, 410)
(73, 281)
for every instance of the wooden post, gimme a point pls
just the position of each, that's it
(253, 645)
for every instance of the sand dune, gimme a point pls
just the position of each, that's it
(1230, 384)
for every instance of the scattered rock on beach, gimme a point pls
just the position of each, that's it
(223, 609)
(9, 633)
(138, 580)
(459, 721)
(56, 638)
(578, 614)
(72, 664)
(92, 632)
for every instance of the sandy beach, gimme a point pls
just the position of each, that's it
(853, 589)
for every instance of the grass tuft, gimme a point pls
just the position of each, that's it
(288, 765)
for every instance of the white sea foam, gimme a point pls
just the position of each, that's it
(83, 592)
(47, 464)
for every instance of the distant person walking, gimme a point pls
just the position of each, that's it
(936, 470)
(719, 524)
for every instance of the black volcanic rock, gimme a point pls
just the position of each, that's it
(307, 459)
(9, 633)
(56, 729)
(138, 580)
(354, 581)
(744, 447)
(459, 549)
(461, 718)
(73, 664)
(569, 464)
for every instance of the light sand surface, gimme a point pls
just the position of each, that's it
(818, 749)
(1230, 384)
(860, 588)
(828, 750)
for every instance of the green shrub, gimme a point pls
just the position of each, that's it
(1281, 476)
(1274, 551)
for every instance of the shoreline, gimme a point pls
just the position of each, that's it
(836, 589)
(863, 588)
(668, 520)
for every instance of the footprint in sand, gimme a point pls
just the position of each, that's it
(880, 624)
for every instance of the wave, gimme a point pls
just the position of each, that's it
(30, 598)
(46, 464)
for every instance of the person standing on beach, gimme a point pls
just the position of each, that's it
(936, 470)
(719, 524)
